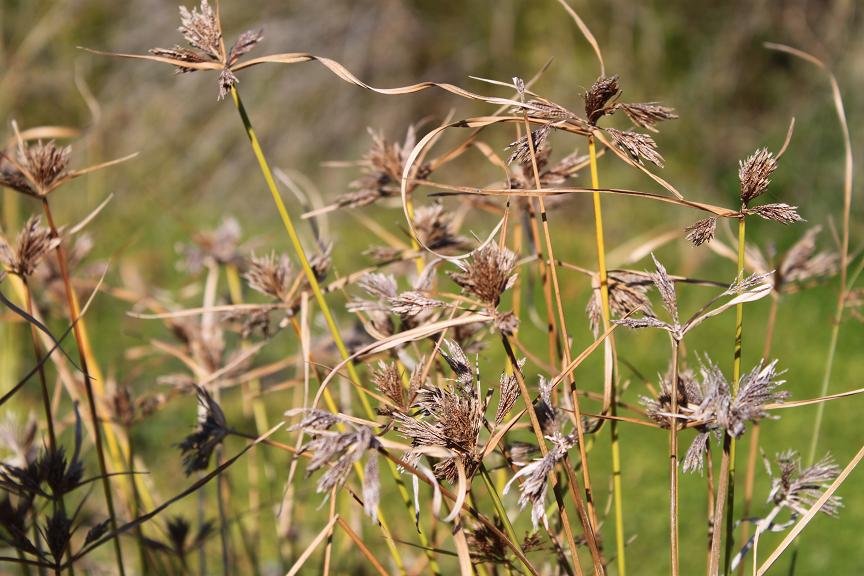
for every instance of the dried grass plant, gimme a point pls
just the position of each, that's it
(386, 364)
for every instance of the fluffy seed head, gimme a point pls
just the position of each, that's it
(33, 243)
(38, 168)
(488, 274)
(799, 488)
(754, 173)
(702, 231)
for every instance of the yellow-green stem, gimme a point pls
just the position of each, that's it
(736, 377)
(46, 402)
(313, 283)
(88, 386)
(499, 506)
(298, 248)
(617, 497)
(673, 462)
(753, 451)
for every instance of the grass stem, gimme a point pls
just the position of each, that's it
(74, 312)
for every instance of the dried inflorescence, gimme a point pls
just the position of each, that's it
(413, 307)
(778, 212)
(270, 275)
(637, 145)
(801, 263)
(212, 429)
(710, 407)
(36, 169)
(220, 246)
(449, 417)
(754, 173)
(648, 114)
(534, 487)
(488, 274)
(798, 488)
(523, 148)
(382, 169)
(33, 243)
(388, 380)
(599, 97)
(435, 228)
(339, 451)
(487, 546)
(628, 292)
(702, 231)
(202, 31)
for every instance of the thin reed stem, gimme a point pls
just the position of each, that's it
(310, 275)
(46, 399)
(573, 485)
(591, 526)
(832, 350)
(726, 487)
(602, 272)
(673, 463)
(298, 247)
(753, 450)
(499, 506)
(46, 396)
(74, 312)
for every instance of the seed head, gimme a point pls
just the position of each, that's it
(533, 489)
(522, 147)
(754, 172)
(598, 96)
(201, 29)
(636, 145)
(799, 488)
(488, 274)
(648, 114)
(628, 291)
(219, 245)
(339, 451)
(33, 243)
(270, 275)
(197, 447)
(802, 263)
(435, 228)
(38, 168)
(783, 213)
(702, 231)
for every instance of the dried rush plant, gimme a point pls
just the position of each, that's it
(432, 301)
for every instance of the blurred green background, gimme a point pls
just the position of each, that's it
(704, 58)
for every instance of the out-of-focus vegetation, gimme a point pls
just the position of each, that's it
(194, 169)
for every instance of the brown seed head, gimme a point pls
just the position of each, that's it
(648, 114)
(33, 243)
(488, 274)
(522, 147)
(38, 168)
(754, 172)
(270, 275)
(201, 30)
(435, 228)
(636, 145)
(702, 231)
(783, 213)
(598, 96)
